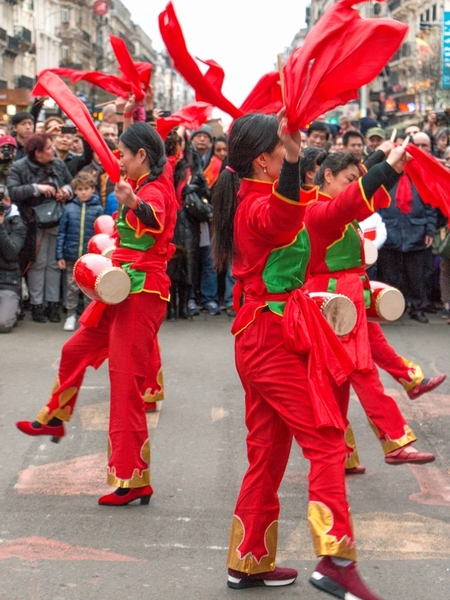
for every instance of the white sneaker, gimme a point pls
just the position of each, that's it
(70, 323)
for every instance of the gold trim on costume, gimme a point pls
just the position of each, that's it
(248, 563)
(63, 412)
(139, 478)
(389, 445)
(352, 460)
(159, 394)
(415, 373)
(321, 521)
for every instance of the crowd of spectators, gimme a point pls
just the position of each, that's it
(46, 161)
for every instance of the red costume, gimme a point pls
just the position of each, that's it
(126, 334)
(337, 265)
(285, 355)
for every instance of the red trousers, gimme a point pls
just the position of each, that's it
(278, 408)
(153, 390)
(127, 336)
(402, 370)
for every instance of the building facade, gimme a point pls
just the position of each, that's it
(41, 34)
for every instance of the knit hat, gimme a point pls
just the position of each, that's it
(6, 140)
(20, 116)
(203, 129)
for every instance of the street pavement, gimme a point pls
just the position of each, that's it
(57, 543)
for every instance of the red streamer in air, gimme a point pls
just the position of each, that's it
(341, 53)
(191, 116)
(49, 84)
(173, 38)
(430, 177)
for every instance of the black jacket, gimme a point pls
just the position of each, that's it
(406, 232)
(23, 178)
(12, 239)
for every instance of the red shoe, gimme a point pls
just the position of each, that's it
(341, 582)
(402, 456)
(358, 470)
(423, 388)
(150, 407)
(126, 496)
(239, 581)
(30, 428)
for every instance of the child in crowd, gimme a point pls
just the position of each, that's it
(75, 230)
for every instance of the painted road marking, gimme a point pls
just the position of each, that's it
(218, 413)
(33, 549)
(95, 417)
(382, 536)
(85, 475)
(434, 486)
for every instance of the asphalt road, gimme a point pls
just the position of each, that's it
(57, 543)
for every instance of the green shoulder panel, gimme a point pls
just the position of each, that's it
(128, 237)
(345, 253)
(285, 268)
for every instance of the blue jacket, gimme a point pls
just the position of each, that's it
(76, 228)
(406, 233)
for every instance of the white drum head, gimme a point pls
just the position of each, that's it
(113, 285)
(370, 253)
(390, 304)
(108, 252)
(340, 312)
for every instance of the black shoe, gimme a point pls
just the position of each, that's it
(53, 312)
(171, 314)
(37, 313)
(419, 316)
(430, 309)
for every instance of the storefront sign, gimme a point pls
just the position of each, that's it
(446, 52)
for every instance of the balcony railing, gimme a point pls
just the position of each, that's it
(25, 82)
(12, 44)
(23, 35)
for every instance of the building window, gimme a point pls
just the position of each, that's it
(65, 52)
(427, 15)
(65, 14)
(434, 12)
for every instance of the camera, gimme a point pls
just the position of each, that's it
(3, 193)
(2, 209)
(68, 129)
(7, 152)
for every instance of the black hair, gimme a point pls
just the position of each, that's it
(308, 160)
(352, 133)
(336, 162)
(250, 136)
(221, 138)
(318, 126)
(142, 135)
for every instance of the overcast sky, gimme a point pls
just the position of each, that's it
(243, 36)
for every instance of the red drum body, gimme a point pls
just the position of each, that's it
(370, 253)
(386, 302)
(105, 224)
(338, 310)
(101, 243)
(100, 280)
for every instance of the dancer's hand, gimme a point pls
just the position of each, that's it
(398, 157)
(290, 141)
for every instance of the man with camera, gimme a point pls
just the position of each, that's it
(12, 238)
(8, 149)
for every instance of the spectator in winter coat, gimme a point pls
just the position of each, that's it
(403, 260)
(32, 181)
(12, 238)
(75, 230)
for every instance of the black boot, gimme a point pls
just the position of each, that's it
(53, 312)
(37, 313)
(172, 306)
(184, 293)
